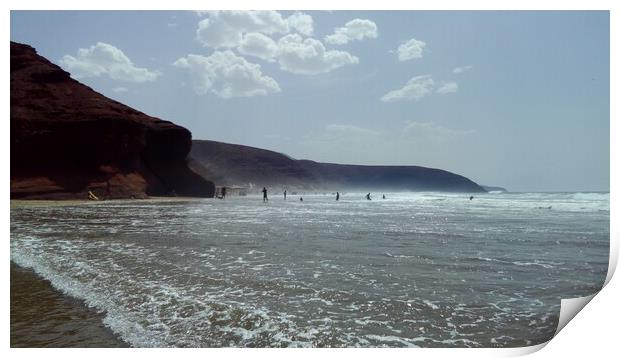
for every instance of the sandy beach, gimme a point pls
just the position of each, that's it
(42, 316)
(37, 203)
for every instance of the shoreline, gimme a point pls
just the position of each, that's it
(24, 203)
(44, 317)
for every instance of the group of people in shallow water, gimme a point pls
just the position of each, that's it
(265, 198)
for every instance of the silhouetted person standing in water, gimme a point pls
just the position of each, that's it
(383, 196)
(264, 194)
(368, 196)
(285, 195)
(301, 199)
(337, 196)
(471, 197)
(223, 192)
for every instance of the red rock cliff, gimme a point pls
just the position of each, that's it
(67, 139)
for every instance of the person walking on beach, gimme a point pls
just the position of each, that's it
(264, 194)
(337, 196)
(284, 194)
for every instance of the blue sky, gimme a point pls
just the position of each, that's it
(516, 99)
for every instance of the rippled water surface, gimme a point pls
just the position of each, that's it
(421, 269)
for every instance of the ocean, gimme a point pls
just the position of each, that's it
(411, 270)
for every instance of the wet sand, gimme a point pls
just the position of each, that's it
(41, 316)
(19, 203)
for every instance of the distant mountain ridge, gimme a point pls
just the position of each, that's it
(239, 165)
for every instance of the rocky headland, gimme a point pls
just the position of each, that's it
(68, 140)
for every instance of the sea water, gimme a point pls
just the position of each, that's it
(411, 270)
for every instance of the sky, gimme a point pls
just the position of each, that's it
(518, 99)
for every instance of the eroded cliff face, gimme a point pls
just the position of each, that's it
(67, 139)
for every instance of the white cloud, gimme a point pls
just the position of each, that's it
(105, 59)
(448, 87)
(410, 130)
(301, 22)
(350, 130)
(410, 50)
(250, 32)
(294, 54)
(431, 130)
(345, 140)
(415, 89)
(462, 69)
(258, 45)
(405, 143)
(227, 75)
(120, 89)
(356, 29)
(214, 33)
(226, 28)
(309, 56)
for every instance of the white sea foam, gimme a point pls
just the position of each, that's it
(547, 265)
(356, 274)
(392, 339)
